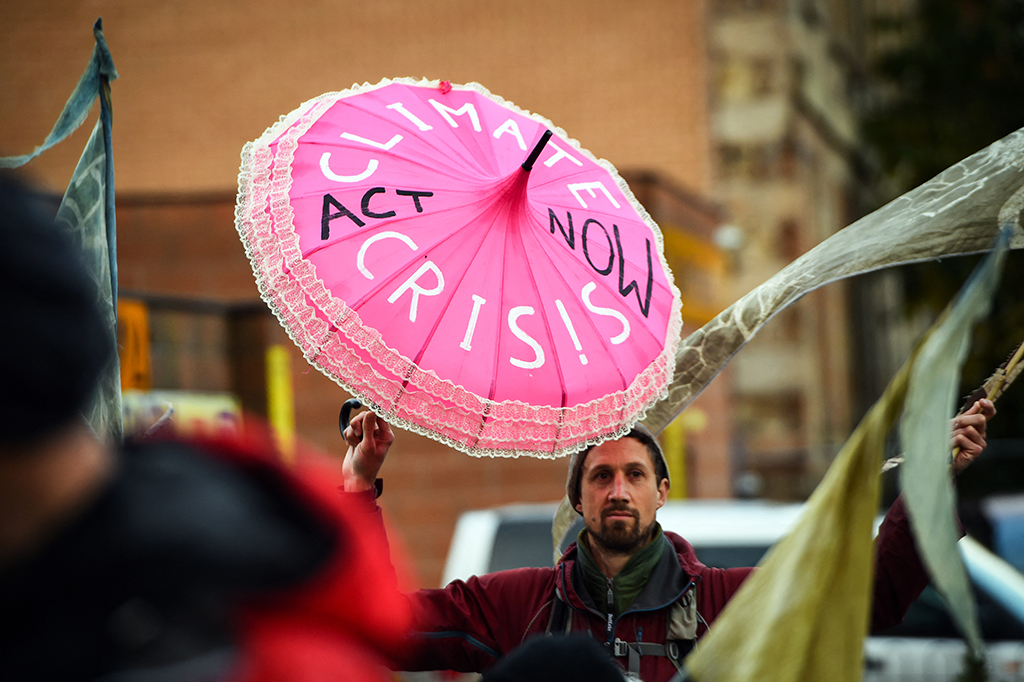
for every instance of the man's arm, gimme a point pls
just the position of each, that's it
(900, 577)
(451, 627)
(469, 625)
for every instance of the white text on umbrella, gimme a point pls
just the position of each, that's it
(379, 145)
(471, 328)
(361, 256)
(400, 108)
(371, 168)
(511, 127)
(513, 323)
(559, 155)
(571, 329)
(412, 285)
(589, 187)
(448, 111)
(610, 312)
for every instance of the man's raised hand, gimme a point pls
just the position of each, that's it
(369, 437)
(969, 433)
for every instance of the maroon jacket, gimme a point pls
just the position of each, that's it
(469, 625)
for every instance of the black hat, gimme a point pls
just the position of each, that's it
(53, 342)
(557, 659)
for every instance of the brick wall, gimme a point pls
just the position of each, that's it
(182, 245)
(199, 79)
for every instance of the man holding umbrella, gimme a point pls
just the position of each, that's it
(639, 590)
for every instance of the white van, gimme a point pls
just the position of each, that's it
(726, 533)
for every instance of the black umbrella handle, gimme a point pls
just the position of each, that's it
(346, 410)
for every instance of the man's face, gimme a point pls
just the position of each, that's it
(620, 495)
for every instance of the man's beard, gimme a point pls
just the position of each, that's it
(618, 535)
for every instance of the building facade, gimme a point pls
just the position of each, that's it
(789, 79)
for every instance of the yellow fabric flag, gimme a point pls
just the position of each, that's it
(803, 615)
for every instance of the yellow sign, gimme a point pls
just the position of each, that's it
(133, 344)
(280, 402)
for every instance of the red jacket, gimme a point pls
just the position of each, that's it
(469, 625)
(207, 560)
(340, 624)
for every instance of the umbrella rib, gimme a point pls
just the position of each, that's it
(501, 306)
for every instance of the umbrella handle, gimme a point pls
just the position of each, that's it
(343, 416)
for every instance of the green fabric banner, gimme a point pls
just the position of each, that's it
(98, 73)
(87, 213)
(924, 433)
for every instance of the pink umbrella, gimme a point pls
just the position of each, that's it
(461, 266)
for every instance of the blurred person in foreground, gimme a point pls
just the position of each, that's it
(638, 590)
(163, 560)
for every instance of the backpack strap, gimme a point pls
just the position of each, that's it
(681, 630)
(560, 622)
(681, 633)
(674, 650)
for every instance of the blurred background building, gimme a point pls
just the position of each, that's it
(736, 123)
(789, 80)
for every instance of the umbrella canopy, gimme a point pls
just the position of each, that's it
(461, 266)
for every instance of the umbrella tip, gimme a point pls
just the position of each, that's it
(445, 87)
(532, 158)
